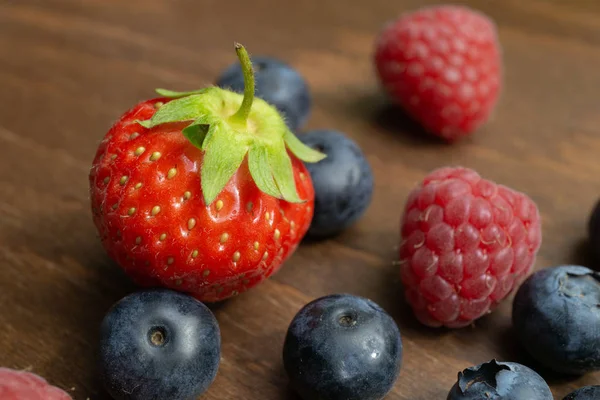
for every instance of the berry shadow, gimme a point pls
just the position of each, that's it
(288, 393)
(280, 381)
(583, 254)
(308, 241)
(513, 350)
(391, 119)
(291, 395)
(215, 307)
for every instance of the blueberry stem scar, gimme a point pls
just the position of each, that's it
(157, 336)
(485, 374)
(347, 320)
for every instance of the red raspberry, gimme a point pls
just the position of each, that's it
(22, 385)
(466, 244)
(442, 64)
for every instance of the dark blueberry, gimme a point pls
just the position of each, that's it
(343, 182)
(342, 347)
(556, 315)
(157, 345)
(497, 380)
(278, 84)
(585, 393)
(594, 230)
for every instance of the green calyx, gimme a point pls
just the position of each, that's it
(227, 127)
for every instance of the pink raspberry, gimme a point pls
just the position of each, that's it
(442, 64)
(22, 385)
(466, 244)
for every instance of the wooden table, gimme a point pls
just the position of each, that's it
(69, 68)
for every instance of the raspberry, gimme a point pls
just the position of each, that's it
(442, 64)
(466, 244)
(22, 385)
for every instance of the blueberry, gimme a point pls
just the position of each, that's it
(159, 344)
(343, 183)
(278, 84)
(594, 230)
(585, 393)
(496, 380)
(342, 347)
(556, 315)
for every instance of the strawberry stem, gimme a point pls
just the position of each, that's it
(241, 116)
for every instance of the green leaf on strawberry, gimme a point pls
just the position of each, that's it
(174, 95)
(228, 126)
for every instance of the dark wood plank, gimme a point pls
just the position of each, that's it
(69, 68)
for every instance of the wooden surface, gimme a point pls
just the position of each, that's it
(69, 68)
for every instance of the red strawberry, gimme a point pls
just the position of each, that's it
(442, 64)
(22, 385)
(466, 244)
(190, 194)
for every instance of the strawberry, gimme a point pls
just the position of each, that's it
(188, 193)
(442, 64)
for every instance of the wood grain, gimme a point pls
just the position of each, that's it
(69, 68)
